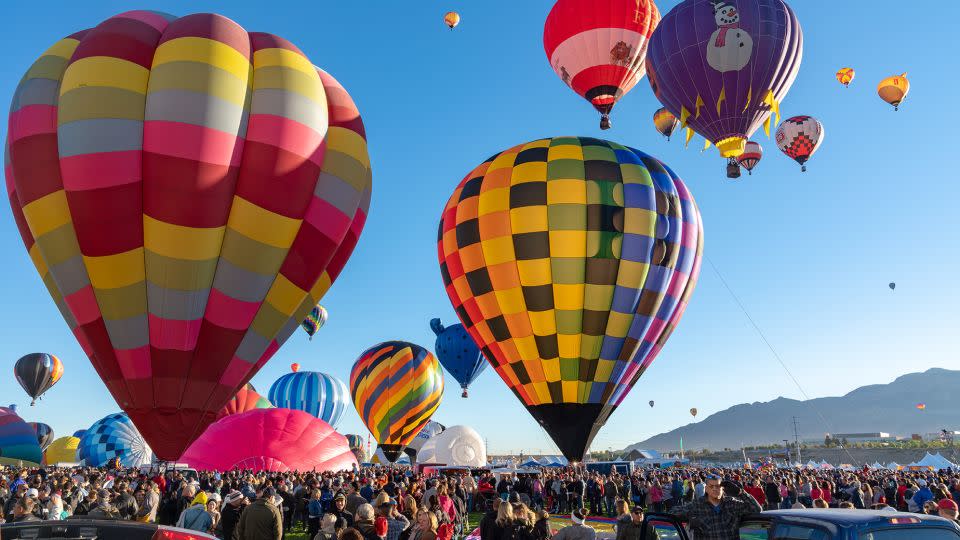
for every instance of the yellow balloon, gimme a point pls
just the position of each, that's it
(845, 76)
(62, 450)
(894, 89)
(452, 18)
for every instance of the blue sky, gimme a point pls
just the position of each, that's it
(809, 255)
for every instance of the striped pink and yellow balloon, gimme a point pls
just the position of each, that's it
(188, 191)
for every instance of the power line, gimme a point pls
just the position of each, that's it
(773, 351)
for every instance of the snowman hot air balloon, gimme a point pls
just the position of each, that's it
(730, 47)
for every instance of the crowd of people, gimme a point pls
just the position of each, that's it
(379, 503)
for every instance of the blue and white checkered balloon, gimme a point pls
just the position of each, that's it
(111, 437)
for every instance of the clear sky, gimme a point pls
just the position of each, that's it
(809, 255)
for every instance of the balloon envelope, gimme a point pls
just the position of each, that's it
(431, 429)
(188, 191)
(458, 354)
(396, 387)
(665, 122)
(799, 137)
(570, 261)
(845, 76)
(315, 320)
(894, 89)
(319, 394)
(451, 19)
(18, 441)
(275, 440)
(111, 437)
(893, 286)
(651, 403)
(752, 154)
(44, 434)
(37, 372)
(459, 446)
(244, 401)
(723, 67)
(693, 411)
(62, 450)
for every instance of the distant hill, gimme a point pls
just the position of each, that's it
(889, 408)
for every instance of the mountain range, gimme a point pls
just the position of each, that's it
(889, 408)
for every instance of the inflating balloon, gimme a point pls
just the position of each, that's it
(430, 430)
(598, 48)
(752, 154)
(693, 412)
(894, 90)
(451, 19)
(318, 394)
(18, 441)
(113, 437)
(275, 440)
(187, 191)
(845, 76)
(665, 122)
(62, 450)
(458, 354)
(724, 67)
(44, 434)
(459, 446)
(315, 320)
(37, 373)
(396, 387)
(245, 400)
(799, 138)
(570, 261)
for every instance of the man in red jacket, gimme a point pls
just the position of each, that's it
(757, 492)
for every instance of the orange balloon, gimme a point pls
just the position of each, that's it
(845, 76)
(452, 18)
(295, 367)
(894, 90)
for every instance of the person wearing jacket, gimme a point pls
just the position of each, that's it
(631, 528)
(922, 495)
(261, 520)
(124, 501)
(717, 515)
(103, 508)
(196, 517)
(233, 505)
(147, 513)
(365, 522)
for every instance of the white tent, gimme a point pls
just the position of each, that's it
(893, 465)
(938, 462)
(811, 464)
(825, 466)
(461, 446)
(877, 465)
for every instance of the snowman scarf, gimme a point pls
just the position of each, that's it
(722, 36)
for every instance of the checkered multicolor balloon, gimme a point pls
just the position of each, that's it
(570, 261)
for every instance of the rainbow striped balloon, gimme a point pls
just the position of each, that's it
(396, 388)
(187, 191)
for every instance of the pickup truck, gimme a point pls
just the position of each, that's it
(83, 528)
(819, 524)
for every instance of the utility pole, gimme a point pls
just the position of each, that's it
(786, 446)
(796, 438)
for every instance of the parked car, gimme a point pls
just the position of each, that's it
(82, 528)
(821, 524)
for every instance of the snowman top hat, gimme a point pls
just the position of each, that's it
(718, 5)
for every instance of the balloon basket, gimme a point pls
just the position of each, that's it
(605, 122)
(464, 394)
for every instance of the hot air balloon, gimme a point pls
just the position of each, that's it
(845, 76)
(396, 387)
(893, 286)
(458, 353)
(44, 434)
(894, 90)
(275, 440)
(799, 137)
(598, 48)
(693, 412)
(752, 154)
(294, 367)
(319, 394)
(244, 401)
(18, 441)
(431, 429)
(451, 19)
(570, 261)
(315, 320)
(651, 403)
(37, 373)
(724, 66)
(354, 441)
(62, 450)
(459, 446)
(79, 433)
(665, 122)
(113, 436)
(921, 406)
(188, 191)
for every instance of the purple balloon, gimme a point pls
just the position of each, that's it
(722, 66)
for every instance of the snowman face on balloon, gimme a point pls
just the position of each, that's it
(726, 14)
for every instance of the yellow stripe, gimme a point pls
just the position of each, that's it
(179, 242)
(262, 225)
(47, 213)
(308, 86)
(283, 58)
(284, 295)
(205, 51)
(115, 271)
(63, 48)
(105, 71)
(200, 78)
(349, 142)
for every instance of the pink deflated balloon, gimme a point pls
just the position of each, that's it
(275, 440)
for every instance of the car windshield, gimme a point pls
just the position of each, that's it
(911, 533)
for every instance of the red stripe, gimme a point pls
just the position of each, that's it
(210, 26)
(187, 192)
(127, 39)
(107, 221)
(263, 40)
(570, 17)
(36, 167)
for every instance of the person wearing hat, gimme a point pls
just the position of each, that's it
(261, 520)
(196, 517)
(339, 509)
(103, 508)
(948, 509)
(922, 495)
(630, 529)
(386, 507)
(233, 505)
